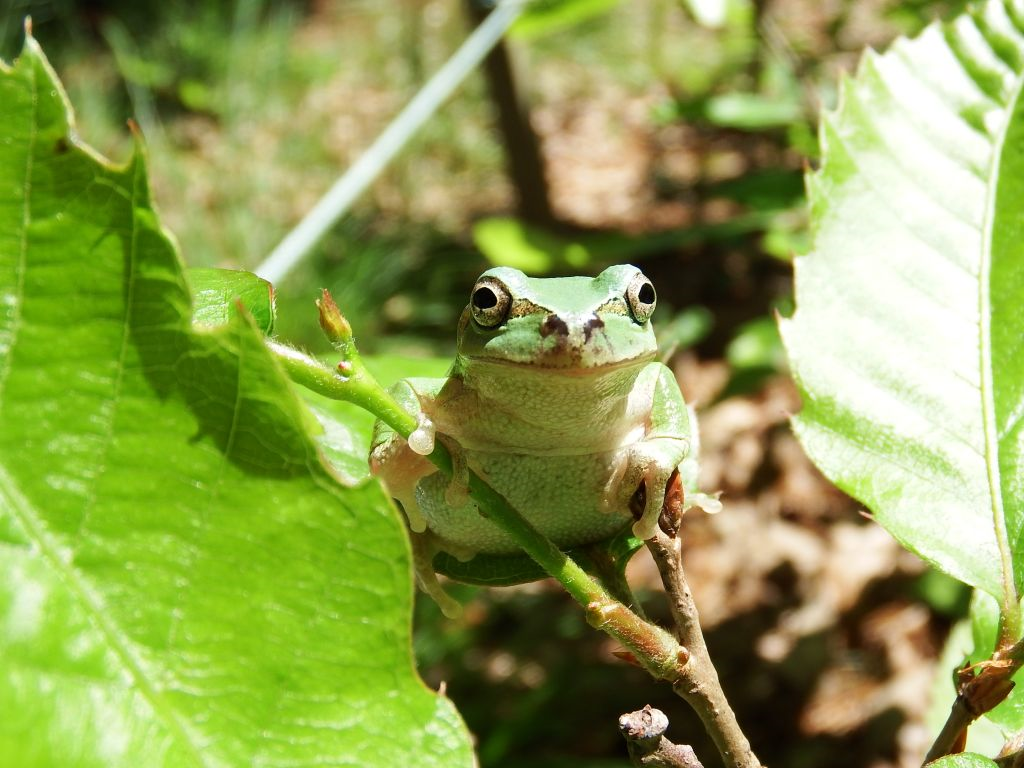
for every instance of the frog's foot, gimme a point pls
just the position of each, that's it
(424, 547)
(655, 482)
(401, 469)
(651, 466)
(671, 516)
(616, 490)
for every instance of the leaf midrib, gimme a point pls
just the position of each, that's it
(1009, 600)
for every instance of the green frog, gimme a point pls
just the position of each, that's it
(555, 399)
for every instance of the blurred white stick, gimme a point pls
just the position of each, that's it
(346, 190)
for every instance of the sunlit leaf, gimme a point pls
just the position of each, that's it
(983, 737)
(752, 111)
(186, 583)
(509, 242)
(756, 345)
(907, 339)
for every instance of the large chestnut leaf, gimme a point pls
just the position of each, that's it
(185, 581)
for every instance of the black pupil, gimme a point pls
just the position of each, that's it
(484, 298)
(646, 294)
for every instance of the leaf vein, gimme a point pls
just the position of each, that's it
(1010, 597)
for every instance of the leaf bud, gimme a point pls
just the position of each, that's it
(334, 324)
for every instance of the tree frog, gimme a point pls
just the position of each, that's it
(555, 400)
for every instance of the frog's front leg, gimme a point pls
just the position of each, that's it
(401, 464)
(651, 461)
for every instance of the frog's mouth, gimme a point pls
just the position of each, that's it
(568, 364)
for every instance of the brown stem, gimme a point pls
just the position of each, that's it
(980, 688)
(644, 731)
(699, 684)
(952, 737)
(524, 159)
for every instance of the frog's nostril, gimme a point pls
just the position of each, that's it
(554, 324)
(593, 323)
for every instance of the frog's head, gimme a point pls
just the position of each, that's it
(567, 324)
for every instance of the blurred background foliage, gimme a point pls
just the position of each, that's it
(674, 135)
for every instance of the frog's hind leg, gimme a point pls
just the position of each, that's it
(456, 493)
(424, 547)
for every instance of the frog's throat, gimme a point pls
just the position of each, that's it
(522, 409)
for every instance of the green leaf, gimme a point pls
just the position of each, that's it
(972, 641)
(943, 594)
(774, 189)
(489, 570)
(906, 342)
(544, 17)
(752, 111)
(185, 581)
(964, 760)
(683, 331)
(216, 294)
(509, 242)
(754, 354)
(756, 345)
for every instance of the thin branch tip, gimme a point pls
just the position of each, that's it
(644, 732)
(698, 682)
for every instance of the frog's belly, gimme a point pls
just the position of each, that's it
(560, 495)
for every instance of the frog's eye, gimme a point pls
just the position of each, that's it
(490, 303)
(641, 298)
